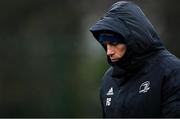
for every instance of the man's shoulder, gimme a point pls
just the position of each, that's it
(107, 78)
(107, 74)
(108, 71)
(168, 62)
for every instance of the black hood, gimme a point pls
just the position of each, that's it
(127, 19)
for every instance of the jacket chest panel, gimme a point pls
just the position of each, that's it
(137, 93)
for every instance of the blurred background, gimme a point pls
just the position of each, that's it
(50, 64)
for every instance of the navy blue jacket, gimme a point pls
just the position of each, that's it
(146, 81)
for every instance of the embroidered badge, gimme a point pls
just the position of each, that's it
(144, 87)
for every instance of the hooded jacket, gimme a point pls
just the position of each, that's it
(145, 82)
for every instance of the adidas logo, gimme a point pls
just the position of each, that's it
(110, 92)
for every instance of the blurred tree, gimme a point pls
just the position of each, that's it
(172, 22)
(40, 56)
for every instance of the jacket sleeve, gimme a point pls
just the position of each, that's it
(103, 80)
(171, 95)
(102, 106)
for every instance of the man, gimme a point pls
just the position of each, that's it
(144, 78)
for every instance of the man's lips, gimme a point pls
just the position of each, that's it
(114, 60)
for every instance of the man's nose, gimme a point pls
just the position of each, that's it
(110, 50)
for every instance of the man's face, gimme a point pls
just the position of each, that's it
(115, 50)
